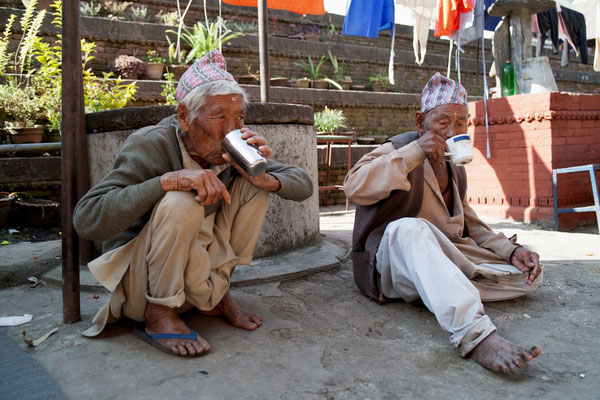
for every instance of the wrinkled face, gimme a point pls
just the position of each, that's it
(446, 120)
(220, 115)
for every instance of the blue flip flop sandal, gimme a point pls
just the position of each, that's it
(140, 331)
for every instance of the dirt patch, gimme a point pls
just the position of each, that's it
(28, 234)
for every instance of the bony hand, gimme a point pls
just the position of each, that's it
(263, 181)
(528, 262)
(209, 188)
(433, 146)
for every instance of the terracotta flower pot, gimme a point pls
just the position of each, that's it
(155, 70)
(279, 81)
(26, 135)
(319, 84)
(299, 83)
(250, 79)
(5, 202)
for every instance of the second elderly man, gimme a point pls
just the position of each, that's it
(176, 214)
(415, 235)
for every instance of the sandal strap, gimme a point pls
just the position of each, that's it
(191, 336)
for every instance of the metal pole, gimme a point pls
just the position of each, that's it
(74, 158)
(263, 48)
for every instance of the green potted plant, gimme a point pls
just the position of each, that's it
(154, 65)
(338, 72)
(204, 38)
(379, 83)
(23, 108)
(129, 67)
(329, 120)
(318, 79)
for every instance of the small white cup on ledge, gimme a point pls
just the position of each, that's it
(460, 149)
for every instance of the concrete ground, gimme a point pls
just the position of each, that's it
(322, 339)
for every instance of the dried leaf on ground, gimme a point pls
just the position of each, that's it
(36, 342)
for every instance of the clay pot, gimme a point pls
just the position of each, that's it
(155, 70)
(319, 84)
(299, 83)
(53, 136)
(279, 81)
(5, 202)
(248, 79)
(26, 135)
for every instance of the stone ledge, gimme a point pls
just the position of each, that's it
(304, 261)
(138, 117)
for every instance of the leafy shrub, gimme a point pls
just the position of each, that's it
(167, 18)
(116, 9)
(89, 9)
(139, 14)
(329, 120)
(204, 38)
(152, 56)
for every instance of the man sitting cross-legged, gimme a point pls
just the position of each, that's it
(415, 235)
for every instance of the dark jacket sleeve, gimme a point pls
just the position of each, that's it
(296, 184)
(127, 192)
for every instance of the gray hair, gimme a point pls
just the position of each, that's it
(195, 99)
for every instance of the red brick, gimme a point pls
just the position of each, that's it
(574, 123)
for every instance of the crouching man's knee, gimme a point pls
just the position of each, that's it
(179, 209)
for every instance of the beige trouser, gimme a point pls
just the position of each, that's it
(181, 255)
(429, 266)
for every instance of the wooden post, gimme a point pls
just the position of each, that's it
(263, 48)
(74, 157)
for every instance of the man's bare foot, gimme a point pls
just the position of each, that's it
(498, 354)
(238, 317)
(162, 319)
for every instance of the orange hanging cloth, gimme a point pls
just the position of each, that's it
(314, 7)
(449, 15)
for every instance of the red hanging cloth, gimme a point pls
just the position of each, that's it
(314, 7)
(449, 15)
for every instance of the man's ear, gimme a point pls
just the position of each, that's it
(182, 117)
(420, 121)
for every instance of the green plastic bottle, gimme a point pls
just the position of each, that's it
(508, 79)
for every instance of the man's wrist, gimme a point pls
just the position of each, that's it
(273, 183)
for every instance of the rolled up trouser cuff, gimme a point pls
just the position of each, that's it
(481, 330)
(174, 301)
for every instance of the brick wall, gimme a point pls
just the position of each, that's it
(530, 135)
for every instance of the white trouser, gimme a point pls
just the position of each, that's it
(414, 260)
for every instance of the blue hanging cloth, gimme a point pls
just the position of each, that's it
(490, 21)
(368, 17)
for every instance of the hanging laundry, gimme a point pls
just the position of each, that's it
(314, 7)
(490, 21)
(574, 24)
(449, 15)
(570, 23)
(471, 24)
(368, 17)
(597, 40)
(424, 13)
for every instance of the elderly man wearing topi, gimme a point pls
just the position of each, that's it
(415, 235)
(177, 214)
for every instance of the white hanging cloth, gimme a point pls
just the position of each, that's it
(424, 13)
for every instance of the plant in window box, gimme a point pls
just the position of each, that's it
(318, 79)
(379, 83)
(338, 72)
(329, 120)
(116, 9)
(23, 108)
(129, 67)
(154, 64)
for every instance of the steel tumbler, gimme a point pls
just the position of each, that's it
(245, 155)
